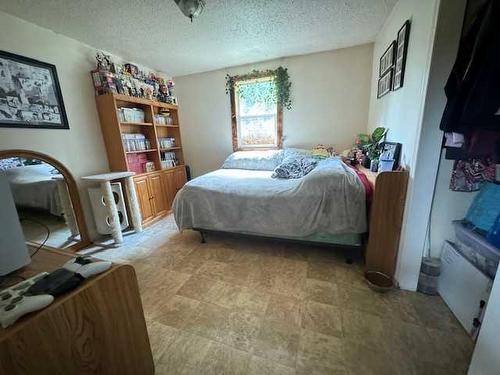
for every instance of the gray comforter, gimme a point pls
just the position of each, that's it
(330, 199)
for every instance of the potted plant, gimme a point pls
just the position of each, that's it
(370, 145)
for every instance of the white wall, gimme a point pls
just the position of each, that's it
(412, 115)
(330, 92)
(423, 157)
(447, 206)
(400, 110)
(81, 148)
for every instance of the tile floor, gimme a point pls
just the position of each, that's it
(250, 306)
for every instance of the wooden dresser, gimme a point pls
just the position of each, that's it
(98, 328)
(385, 219)
(155, 190)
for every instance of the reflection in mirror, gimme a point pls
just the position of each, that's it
(43, 202)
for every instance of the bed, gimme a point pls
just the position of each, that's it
(33, 187)
(328, 205)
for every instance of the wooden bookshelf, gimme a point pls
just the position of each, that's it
(136, 123)
(134, 100)
(155, 190)
(141, 151)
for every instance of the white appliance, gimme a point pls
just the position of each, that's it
(101, 217)
(13, 250)
(485, 360)
(462, 286)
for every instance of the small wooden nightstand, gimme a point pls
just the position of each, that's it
(386, 218)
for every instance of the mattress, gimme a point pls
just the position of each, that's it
(329, 200)
(33, 186)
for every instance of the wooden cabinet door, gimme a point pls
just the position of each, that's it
(159, 194)
(144, 197)
(170, 188)
(180, 178)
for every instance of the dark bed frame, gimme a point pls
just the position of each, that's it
(351, 252)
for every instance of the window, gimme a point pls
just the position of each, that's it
(256, 118)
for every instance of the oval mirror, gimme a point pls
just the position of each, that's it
(46, 199)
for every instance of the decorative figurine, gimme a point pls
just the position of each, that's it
(127, 79)
(149, 93)
(103, 61)
(132, 69)
(163, 92)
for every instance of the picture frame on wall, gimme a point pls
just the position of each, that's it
(384, 84)
(387, 59)
(401, 52)
(30, 94)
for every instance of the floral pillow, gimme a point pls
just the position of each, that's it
(322, 152)
(295, 167)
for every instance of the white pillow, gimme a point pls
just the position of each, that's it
(254, 160)
(296, 152)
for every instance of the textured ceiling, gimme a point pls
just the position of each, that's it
(229, 32)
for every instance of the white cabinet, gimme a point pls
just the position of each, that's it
(486, 358)
(462, 286)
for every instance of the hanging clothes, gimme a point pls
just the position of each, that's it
(455, 140)
(485, 143)
(469, 175)
(473, 88)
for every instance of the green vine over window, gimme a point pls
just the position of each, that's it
(275, 91)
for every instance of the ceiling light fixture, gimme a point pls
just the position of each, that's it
(191, 8)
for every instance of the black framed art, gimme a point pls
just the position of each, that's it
(392, 151)
(30, 95)
(387, 59)
(401, 51)
(384, 84)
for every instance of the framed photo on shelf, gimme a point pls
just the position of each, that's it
(384, 84)
(387, 59)
(30, 95)
(392, 151)
(401, 51)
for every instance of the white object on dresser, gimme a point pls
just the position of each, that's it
(14, 304)
(101, 215)
(11, 313)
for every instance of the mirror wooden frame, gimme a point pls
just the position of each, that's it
(72, 188)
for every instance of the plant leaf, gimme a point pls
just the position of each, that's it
(378, 134)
